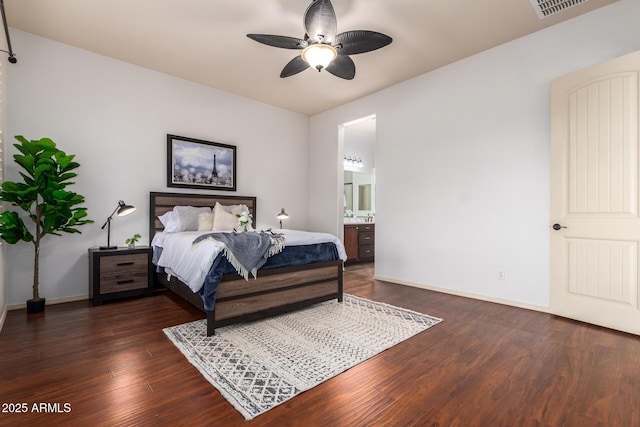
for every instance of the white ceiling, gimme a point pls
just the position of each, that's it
(205, 41)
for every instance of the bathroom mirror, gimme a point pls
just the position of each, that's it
(359, 193)
(364, 197)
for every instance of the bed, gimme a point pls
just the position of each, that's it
(273, 291)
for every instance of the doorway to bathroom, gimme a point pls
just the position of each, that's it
(359, 167)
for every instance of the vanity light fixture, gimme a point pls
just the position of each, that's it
(352, 161)
(282, 215)
(122, 209)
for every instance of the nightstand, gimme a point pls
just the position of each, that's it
(119, 273)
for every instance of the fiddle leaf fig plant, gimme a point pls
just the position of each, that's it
(43, 196)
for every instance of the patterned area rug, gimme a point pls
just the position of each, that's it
(259, 365)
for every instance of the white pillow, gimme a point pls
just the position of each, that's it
(223, 220)
(237, 210)
(170, 222)
(188, 217)
(205, 221)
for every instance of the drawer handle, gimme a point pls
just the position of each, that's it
(125, 263)
(124, 282)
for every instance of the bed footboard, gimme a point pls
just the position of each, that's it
(274, 292)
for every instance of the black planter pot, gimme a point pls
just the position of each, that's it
(36, 306)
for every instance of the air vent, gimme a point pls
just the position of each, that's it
(546, 8)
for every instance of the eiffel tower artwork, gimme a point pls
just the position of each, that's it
(195, 163)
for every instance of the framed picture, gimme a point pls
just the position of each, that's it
(194, 163)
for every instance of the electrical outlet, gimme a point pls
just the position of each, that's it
(500, 274)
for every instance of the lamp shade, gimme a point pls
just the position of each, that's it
(124, 209)
(282, 214)
(319, 56)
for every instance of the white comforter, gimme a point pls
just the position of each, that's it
(191, 264)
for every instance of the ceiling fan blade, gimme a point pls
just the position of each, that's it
(294, 66)
(360, 41)
(320, 21)
(279, 41)
(342, 67)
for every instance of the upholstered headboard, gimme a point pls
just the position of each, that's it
(160, 203)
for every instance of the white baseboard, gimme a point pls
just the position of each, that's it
(51, 301)
(467, 295)
(3, 317)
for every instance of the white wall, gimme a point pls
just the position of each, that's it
(462, 161)
(115, 116)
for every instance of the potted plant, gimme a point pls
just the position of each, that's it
(131, 241)
(46, 172)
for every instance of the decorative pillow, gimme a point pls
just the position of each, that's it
(237, 210)
(223, 220)
(205, 221)
(188, 217)
(170, 222)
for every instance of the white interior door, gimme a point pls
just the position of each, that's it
(594, 194)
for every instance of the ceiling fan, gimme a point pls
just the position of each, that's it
(321, 47)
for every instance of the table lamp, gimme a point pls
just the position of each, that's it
(122, 209)
(282, 215)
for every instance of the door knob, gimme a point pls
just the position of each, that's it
(558, 226)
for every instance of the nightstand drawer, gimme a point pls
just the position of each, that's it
(123, 263)
(124, 282)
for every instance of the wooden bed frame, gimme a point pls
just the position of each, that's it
(275, 291)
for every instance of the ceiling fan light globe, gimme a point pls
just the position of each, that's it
(319, 56)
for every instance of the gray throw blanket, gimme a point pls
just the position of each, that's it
(247, 251)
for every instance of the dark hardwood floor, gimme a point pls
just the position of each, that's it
(485, 365)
